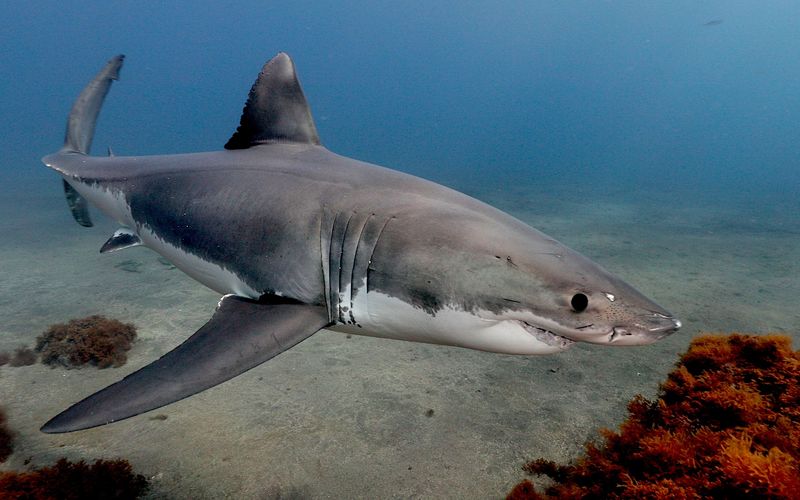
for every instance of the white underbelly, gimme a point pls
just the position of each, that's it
(379, 315)
(208, 273)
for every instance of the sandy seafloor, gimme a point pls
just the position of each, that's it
(339, 417)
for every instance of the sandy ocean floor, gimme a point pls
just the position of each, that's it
(339, 417)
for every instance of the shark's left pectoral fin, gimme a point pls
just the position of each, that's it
(241, 335)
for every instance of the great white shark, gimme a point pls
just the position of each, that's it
(297, 238)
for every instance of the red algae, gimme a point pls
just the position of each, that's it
(726, 424)
(94, 340)
(105, 479)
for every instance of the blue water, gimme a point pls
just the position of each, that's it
(660, 138)
(622, 93)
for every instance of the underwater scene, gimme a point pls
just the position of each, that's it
(467, 355)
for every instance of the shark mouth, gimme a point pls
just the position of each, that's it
(546, 336)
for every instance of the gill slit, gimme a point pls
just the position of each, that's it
(341, 266)
(372, 253)
(355, 261)
(333, 288)
(325, 268)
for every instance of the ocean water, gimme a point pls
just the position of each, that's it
(659, 139)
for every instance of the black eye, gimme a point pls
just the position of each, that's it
(579, 302)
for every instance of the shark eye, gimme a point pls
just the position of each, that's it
(579, 302)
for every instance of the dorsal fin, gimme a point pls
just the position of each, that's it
(276, 109)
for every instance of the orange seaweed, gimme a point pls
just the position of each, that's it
(726, 424)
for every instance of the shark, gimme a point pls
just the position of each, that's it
(296, 239)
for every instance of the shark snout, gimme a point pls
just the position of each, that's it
(649, 329)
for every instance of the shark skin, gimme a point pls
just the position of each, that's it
(297, 238)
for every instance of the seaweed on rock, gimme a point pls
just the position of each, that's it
(94, 340)
(726, 424)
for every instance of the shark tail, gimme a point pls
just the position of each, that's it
(83, 116)
(80, 130)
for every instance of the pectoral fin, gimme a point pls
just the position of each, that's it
(121, 239)
(241, 335)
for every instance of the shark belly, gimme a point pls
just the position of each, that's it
(379, 315)
(210, 274)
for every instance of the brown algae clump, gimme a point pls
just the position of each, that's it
(95, 340)
(23, 356)
(726, 424)
(103, 479)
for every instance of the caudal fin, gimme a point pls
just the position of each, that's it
(80, 129)
(83, 117)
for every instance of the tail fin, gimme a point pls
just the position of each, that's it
(82, 118)
(80, 129)
(77, 206)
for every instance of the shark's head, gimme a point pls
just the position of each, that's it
(502, 271)
(578, 300)
(560, 291)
